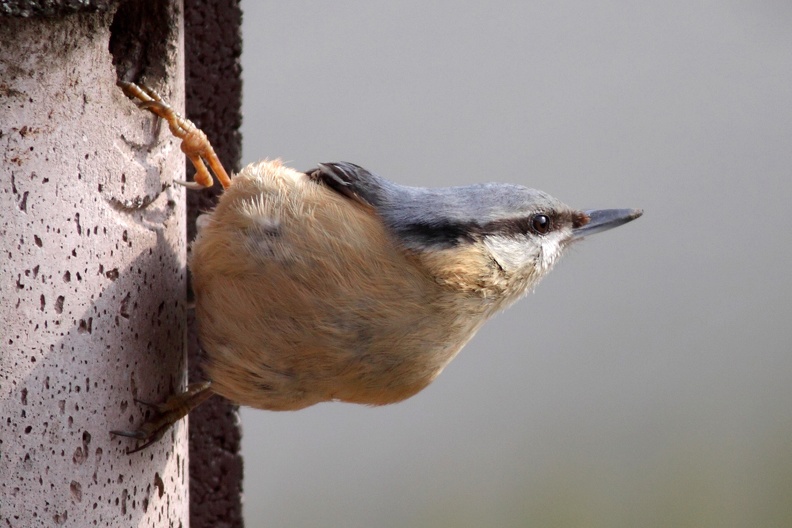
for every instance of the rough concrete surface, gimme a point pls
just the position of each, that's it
(51, 8)
(92, 245)
(213, 45)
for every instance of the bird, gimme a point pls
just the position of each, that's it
(336, 284)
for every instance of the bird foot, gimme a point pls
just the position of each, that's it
(166, 414)
(194, 144)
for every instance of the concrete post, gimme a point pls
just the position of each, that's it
(92, 251)
(213, 44)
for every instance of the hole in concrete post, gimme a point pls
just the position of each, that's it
(139, 36)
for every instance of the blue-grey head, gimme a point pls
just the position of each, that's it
(524, 231)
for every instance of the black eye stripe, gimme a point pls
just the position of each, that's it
(523, 225)
(450, 234)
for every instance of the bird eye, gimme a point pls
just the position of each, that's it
(540, 224)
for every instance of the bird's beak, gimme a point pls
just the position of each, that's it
(604, 219)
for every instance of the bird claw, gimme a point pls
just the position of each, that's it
(193, 186)
(194, 144)
(166, 414)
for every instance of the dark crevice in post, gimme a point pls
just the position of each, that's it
(139, 38)
(213, 45)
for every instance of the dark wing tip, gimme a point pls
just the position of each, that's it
(344, 178)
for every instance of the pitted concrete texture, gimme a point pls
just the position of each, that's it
(51, 8)
(92, 246)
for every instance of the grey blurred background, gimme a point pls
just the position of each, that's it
(646, 382)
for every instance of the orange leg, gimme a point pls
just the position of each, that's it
(194, 144)
(166, 414)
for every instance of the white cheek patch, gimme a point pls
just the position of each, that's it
(551, 250)
(511, 253)
(517, 254)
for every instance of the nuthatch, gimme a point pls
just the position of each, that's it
(338, 285)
